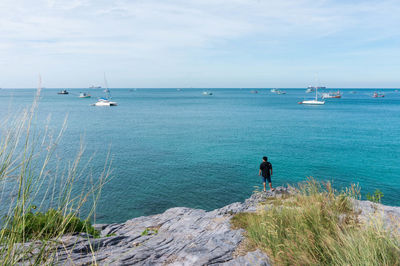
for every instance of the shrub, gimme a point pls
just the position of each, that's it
(48, 225)
(376, 197)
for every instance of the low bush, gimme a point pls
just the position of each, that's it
(47, 225)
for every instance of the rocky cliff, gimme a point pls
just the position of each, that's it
(180, 236)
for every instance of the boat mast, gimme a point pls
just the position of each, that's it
(316, 95)
(107, 91)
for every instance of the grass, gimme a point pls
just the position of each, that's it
(376, 197)
(40, 200)
(319, 226)
(47, 225)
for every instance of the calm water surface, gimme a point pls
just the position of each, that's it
(179, 148)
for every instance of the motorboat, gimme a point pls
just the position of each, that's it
(315, 101)
(104, 102)
(331, 95)
(309, 90)
(377, 95)
(273, 90)
(84, 95)
(94, 87)
(207, 93)
(63, 92)
(280, 92)
(254, 92)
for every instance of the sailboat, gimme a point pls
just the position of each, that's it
(105, 101)
(313, 102)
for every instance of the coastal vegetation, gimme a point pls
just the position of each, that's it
(43, 197)
(317, 225)
(376, 197)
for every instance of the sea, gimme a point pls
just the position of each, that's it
(180, 148)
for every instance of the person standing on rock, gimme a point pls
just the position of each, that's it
(266, 172)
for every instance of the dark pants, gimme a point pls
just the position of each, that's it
(265, 178)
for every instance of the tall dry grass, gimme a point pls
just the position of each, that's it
(319, 226)
(42, 198)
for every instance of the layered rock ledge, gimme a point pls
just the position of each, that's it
(180, 236)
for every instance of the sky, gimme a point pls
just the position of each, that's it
(200, 43)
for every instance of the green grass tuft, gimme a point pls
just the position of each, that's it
(44, 226)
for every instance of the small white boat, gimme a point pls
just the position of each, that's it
(207, 93)
(84, 95)
(309, 90)
(104, 102)
(280, 92)
(273, 90)
(312, 102)
(315, 101)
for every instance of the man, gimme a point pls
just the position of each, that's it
(266, 172)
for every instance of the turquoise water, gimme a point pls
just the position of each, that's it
(179, 148)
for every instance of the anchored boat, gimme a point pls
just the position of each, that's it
(377, 95)
(105, 101)
(63, 92)
(84, 95)
(315, 101)
(331, 95)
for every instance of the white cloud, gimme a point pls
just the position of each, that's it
(175, 33)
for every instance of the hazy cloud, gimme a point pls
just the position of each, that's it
(148, 43)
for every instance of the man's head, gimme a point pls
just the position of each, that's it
(265, 158)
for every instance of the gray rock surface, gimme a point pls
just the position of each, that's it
(182, 236)
(179, 236)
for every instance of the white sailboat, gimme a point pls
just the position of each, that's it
(105, 101)
(313, 102)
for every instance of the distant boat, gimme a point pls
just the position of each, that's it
(105, 101)
(353, 92)
(254, 92)
(313, 102)
(63, 92)
(331, 95)
(84, 95)
(207, 93)
(277, 91)
(377, 95)
(312, 88)
(94, 87)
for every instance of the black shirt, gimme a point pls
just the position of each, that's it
(264, 167)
